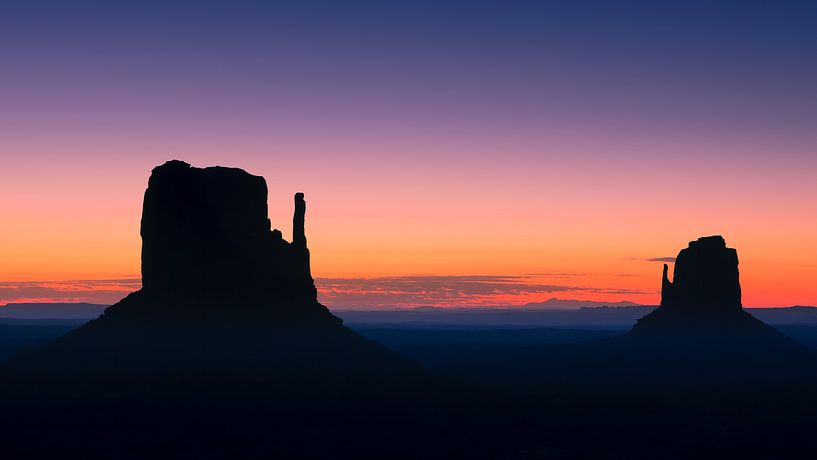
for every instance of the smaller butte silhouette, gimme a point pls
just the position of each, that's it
(224, 297)
(701, 306)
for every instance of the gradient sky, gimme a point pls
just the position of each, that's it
(452, 153)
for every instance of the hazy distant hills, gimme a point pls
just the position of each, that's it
(551, 313)
(583, 317)
(619, 317)
(550, 304)
(51, 310)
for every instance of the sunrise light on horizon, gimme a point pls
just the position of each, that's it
(480, 156)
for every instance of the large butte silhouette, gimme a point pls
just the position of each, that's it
(223, 296)
(207, 244)
(225, 351)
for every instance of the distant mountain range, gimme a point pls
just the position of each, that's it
(604, 316)
(553, 312)
(51, 310)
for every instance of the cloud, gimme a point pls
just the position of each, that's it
(350, 292)
(105, 291)
(661, 259)
(417, 290)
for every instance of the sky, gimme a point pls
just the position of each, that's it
(476, 153)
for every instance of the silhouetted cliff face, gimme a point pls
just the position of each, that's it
(706, 277)
(221, 292)
(224, 352)
(206, 237)
(703, 301)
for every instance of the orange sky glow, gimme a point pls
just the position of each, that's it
(447, 157)
(580, 233)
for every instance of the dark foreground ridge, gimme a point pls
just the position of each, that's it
(226, 353)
